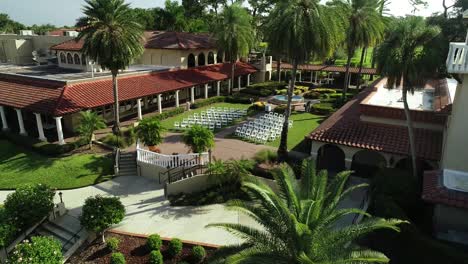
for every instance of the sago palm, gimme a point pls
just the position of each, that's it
(89, 123)
(112, 39)
(299, 222)
(234, 34)
(297, 29)
(406, 58)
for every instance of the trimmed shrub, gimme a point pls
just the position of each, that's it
(126, 138)
(117, 258)
(150, 131)
(41, 249)
(272, 85)
(282, 92)
(338, 95)
(175, 247)
(113, 244)
(208, 101)
(29, 204)
(239, 99)
(258, 92)
(154, 242)
(312, 95)
(198, 253)
(280, 109)
(198, 138)
(323, 108)
(324, 90)
(169, 113)
(155, 257)
(265, 155)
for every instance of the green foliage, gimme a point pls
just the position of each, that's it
(266, 155)
(264, 88)
(113, 244)
(7, 232)
(198, 138)
(155, 257)
(323, 108)
(324, 91)
(117, 258)
(125, 138)
(37, 251)
(150, 131)
(258, 92)
(100, 213)
(174, 247)
(198, 253)
(229, 173)
(240, 99)
(89, 122)
(154, 242)
(282, 91)
(169, 113)
(208, 101)
(7, 25)
(312, 95)
(280, 109)
(29, 204)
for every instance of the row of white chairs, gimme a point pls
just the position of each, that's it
(213, 118)
(265, 128)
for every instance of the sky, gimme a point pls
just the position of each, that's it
(65, 12)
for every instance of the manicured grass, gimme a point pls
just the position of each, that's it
(20, 166)
(169, 123)
(303, 124)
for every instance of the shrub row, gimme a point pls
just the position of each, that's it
(323, 108)
(170, 113)
(272, 85)
(126, 138)
(312, 95)
(208, 101)
(258, 92)
(324, 90)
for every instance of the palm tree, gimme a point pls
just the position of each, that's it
(299, 222)
(298, 28)
(89, 123)
(406, 58)
(234, 34)
(365, 28)
(111, 38)
(199, 139)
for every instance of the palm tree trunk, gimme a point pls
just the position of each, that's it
(360, 68)
(233, 65)
(278, 68)
(345, 87)
(283, 147)
(116, 127)
(409, 124)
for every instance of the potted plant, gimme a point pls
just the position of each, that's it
(150, 131)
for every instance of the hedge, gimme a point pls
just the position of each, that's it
(323, 108)
(170, 113)
(312, 95)
(258, 92)
(268, 85)
(208, 101)
(324, 90)
(239, 99)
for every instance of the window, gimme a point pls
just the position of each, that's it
(201, 59)
(83, 59)
(191, 60)
(62, 57)
(69, 58)
(77, 59)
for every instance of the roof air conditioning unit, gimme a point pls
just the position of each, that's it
(71, 33)
(26, 33)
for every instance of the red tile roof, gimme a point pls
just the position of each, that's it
(158, 40)
(58, 99)
(60, 31)
(435, 192)
(326, 68)
(345, 127)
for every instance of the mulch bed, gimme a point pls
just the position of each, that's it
(134, 250)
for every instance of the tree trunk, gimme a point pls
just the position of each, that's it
(278, 68)
(116, 127)
(103, 238)
(233, 65)
(346, 82)
(283, 147)
(409, 124)
(360, 68)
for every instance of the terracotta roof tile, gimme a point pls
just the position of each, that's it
(435, 192)
(71, 45)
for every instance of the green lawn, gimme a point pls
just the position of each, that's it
(169, 122)
(19, 166)
(303, 124)
(355, 59)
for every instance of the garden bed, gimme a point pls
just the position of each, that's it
(134, 250)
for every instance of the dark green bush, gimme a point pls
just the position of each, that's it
(125, 139)
(240, 99)
(169, 113)
(117, 258)
(100, 213)
(154, 242)
(282, 92)
(41, 249)
(175, 247)
(265, 155)
(323, 108)
(312, 95)
(113, 244)
(272, 85)
(198, 253)
(208, 101)
(280, 109)
(324, 90)
(339, 95)
(155, 257)
(258, 92)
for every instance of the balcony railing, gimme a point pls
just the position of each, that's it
(457, 60)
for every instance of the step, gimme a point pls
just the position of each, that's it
(59, 230)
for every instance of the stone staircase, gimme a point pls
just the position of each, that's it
(128, 164)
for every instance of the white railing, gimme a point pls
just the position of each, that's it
(171, 161)
(457, 60)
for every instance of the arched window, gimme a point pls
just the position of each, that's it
(191, 61)
(83, 59)
(62, 57)
(201, 59)
(69, 58)
(211, 59)
(77, 59)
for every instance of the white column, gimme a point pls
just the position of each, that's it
(239, 82)
(140, 116)
(192, 94)
(159, 104)
(20, 122)
(206, 90)
(218, 88)
(177, 98)
(4, 120)
(58, 124)
(300, 76)
(248, 80)
(40, 128)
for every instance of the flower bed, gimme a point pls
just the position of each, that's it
(134, 249)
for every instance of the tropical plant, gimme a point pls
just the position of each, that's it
(41, 249)
(113, 244)
(100, 213)
(299, 28)
(112, 38)
(407, 57)
(198, 253)
(117, 258)
(89, 123)
(154, 242)
(199, 139)
(300, 222)
(175, 247)
(156, 257)
(229, 174)
(234, 34)
(150, 131)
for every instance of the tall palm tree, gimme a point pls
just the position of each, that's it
(406, 58)
(234, 34)
(112, 39)
(365, 28)
(298, 28)
(299, 222)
